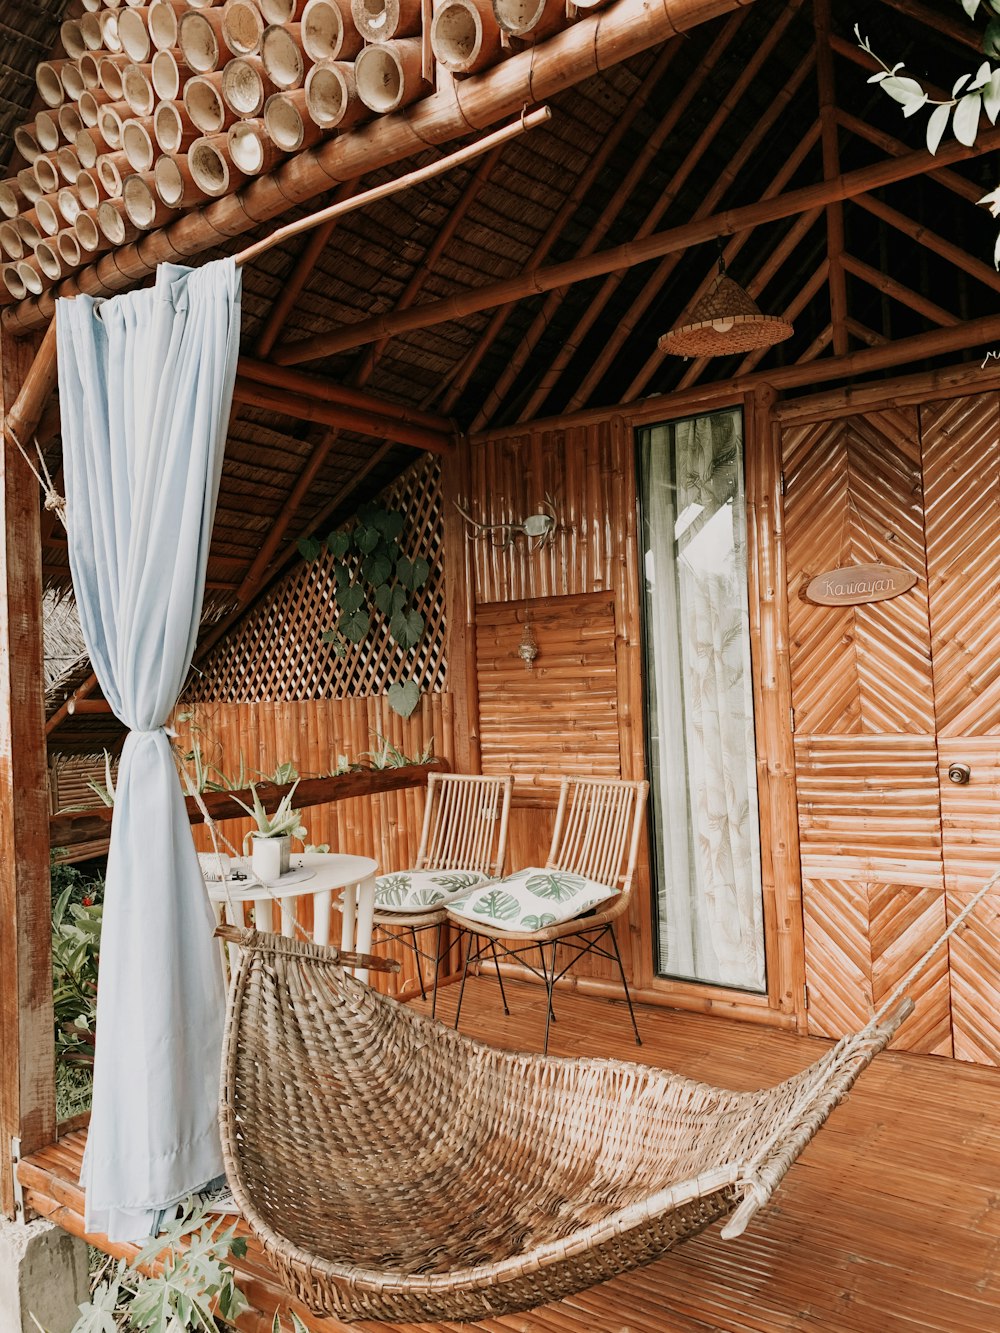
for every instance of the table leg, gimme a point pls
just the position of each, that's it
(348, 907)
(321, 916)
(288, 917)
(366, 917)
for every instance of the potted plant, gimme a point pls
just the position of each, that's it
(272, 839)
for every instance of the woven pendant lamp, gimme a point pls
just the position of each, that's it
(725, 320)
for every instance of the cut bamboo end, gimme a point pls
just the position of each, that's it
(47, 133)
(251, 148)
(164, 16)
(111, 171)
(382, 20)
(28, 229)
(91, 6)
(11, 243)
(245, 86)
(204, 103)
(26, 143)
(90, 71)
(134, 35)
(465, 36)
(73, 82)
(47, 215)
(68, 163)
(288, 123)
(390, 75)
(90, 189)
(109, 31)
(211, 168)
(12, 198)
(70, 123)
(168, 74)
(281, 52)
(92, 31)
(332, 95)
(138, 89)
(90, 105)
(68, 248)
(174, 183)
(31, 275)
(113, 222)
(199, 36)
(13, 282)
(110, 71)
(28, 182)
(282, 11)
(173, 128)
(143, 205)
(49, 83)
(137, 143)
(110, 121)
(46, 173)
(48, 260)
(530, 18)
(69, 205)
(328, 31)
(89, 234)
(72, 39)
(242, 27)
(89, 144)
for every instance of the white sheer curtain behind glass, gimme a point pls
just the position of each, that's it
(699, 691)
(145, 388)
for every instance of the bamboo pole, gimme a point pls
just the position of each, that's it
(952, 254)
(329, 391)
(732, 220)
(465, 36)
(242, 27)
(331, 414)
(281, 53)
(389, 75)
(951, 180)
(328, 31)
(831, 169)
(596, 41)
(882, 282)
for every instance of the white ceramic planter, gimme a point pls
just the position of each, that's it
(269, 857)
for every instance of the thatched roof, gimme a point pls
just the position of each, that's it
(716, 119)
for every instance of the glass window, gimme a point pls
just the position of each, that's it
(699, 696)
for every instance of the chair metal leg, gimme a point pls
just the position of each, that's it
(437, 966)
(552, 1015)
(465, 973)
(628, 998)
(496, 963)
(550, 981)
(416, 958)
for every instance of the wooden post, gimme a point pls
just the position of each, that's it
(460, 597)
(27, 1057)
(831, 170)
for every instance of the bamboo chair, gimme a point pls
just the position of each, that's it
(465, 828)
(598, 825)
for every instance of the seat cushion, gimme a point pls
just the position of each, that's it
(531, 899)
(409, 891)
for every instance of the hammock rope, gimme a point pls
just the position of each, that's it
(54, 502)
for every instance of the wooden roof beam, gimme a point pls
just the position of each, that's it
(344, 395)
(652, 288)
(679, 105)
(944, 249)
(819, 344)
(716, 192)
(791, 313)
(601, 38)
(951, 180)
(463, 372)
(671, 241)
(866, 335)
(882, 282)
(831, 167)
(965, 34)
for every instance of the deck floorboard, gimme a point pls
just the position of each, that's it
(889, 1222)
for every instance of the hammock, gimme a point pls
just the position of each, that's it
(394, 1169)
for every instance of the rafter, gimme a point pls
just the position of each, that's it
(791, 313)
(866, 335)
(963, 33)
(882, 282)
(715, 193)
(951, 180)
(831, 168)
(346, 395)
(944, 249)
(819, 344)
(676, 110)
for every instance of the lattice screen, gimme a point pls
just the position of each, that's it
(277, 651)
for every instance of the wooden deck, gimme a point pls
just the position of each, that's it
(889, 1221)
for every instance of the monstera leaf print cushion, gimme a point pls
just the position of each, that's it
(531, 900)
(423, 890)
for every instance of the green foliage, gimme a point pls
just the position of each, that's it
(195, 1284)
(973, 95)
(296, 1326)
(374, 577)
(104, 791)
(387, 755)
(77, 912)
(284, 820)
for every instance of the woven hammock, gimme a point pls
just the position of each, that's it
(394, 1169)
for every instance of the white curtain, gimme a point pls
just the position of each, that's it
(705, 806)
(145, 388)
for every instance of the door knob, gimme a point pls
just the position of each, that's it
(959, 774)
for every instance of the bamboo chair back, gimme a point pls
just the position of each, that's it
(597, 830)
(465, 823)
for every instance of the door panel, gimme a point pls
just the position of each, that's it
(975, 980)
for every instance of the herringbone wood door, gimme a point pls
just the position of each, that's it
(887, 696)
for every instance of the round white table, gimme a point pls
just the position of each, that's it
(329, 872)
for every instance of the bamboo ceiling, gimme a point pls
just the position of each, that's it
(745, 107)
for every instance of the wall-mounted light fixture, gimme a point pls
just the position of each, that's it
(539, 528)
(527, 649)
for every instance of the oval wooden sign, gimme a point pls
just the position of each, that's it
(859, 583)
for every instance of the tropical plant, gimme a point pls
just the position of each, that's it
(76, 944)
(973, 95)
(284, 820)
(374, 576)
(386, 755)
(106, 790)
(194, 1286)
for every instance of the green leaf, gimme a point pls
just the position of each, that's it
(412, 573)
(389, 599)
(403, 697)
(367, 538)
(309, 548)
(991, 97)
(376, 567)
(406, 627)
(368, 512)
(991, 38)
(329, 636)
(936, 127)
(970, 7)
(389, 522)
(350, 598)
(355, 626)
(966, 121)
(339, 543)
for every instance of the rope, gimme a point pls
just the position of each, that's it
(54, 502)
